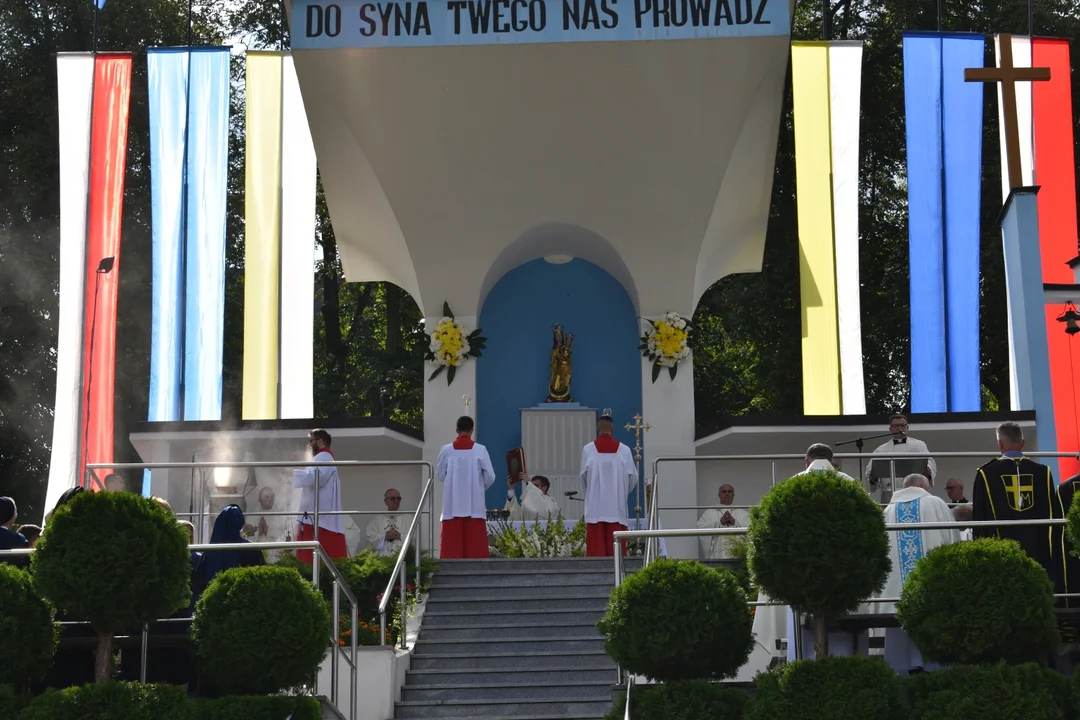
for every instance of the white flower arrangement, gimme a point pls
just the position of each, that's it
(666, 343)
(449, 346)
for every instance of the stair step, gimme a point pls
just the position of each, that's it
(487, 591)
(502, 709)
(497, 565)
(526, 670)
(525, 691)
(473, 618)
(521, 578)
(508, 632)
(481, 661)
(437, 603)
(524, 646)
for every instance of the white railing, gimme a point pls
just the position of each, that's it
(340, 585)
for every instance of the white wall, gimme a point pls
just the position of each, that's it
(380, 673)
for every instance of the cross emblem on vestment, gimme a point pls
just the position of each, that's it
(1008, 76)
(1019, 493)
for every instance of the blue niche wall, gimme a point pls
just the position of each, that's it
(513, 373)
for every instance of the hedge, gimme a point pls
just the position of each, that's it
(132, 701)
(259, 630)
(990, 692)
(680, 700)
(979, 602)
(679, 620)
(27, 630)
(836, 688)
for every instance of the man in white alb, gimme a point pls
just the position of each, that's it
(608, 475)
(719, 547)
(914, 503)
(384, 531)
(464, 468)
(535, 503)
(878, 473)
(331, 528)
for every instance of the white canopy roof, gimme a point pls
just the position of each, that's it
(446, 167)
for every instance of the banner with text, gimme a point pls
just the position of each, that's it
(323, 25)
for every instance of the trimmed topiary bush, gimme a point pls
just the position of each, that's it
(679, 620)
(112, 701)
(818, 544)
(979, 602)
(989, 692)
(259, 630)
(27, 628)
(115, 559)
(680, 700)
(836, 688)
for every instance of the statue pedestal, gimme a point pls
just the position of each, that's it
(552, 435)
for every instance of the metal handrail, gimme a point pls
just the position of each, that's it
(339, 584)
(399, 565)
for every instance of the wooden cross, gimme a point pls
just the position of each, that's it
(1008, 76)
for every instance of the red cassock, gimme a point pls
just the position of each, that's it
(600, 536)
(463, 537)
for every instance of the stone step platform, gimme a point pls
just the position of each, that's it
(498, 660)
(510, 632)
(523, 670)
(479, 603)
(524, 646)
(524, 690)
(523, 578)
(476, 590)
(592, 709)
(509, 615)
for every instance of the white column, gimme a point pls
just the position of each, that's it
(443, 406)
(669, 409)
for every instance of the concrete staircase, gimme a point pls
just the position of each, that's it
(513, 639)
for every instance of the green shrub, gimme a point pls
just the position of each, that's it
(818, 544)
(989, 692)
(836, 688)
(259, 630)
(11, 704)
(979, 602)
(680, 700)
(115, 559)
(27, 628)
(258, 707)
(679, 620)
(112, 701)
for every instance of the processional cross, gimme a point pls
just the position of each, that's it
(1008, 75)
(638, 427)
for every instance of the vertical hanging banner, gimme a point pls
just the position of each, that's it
(75, 87)
(1047, 159)
(262, 226)
(826, 79)
(108, 162)
(297, 250)
(204, 265)
(943, 116)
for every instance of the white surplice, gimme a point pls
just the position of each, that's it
(534, 505)
(329, 494)
(719, 547)
(607, 479)
(382, 524)
(466, 475)
(911, 446)
(906, 547)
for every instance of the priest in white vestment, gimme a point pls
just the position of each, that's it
(719, 547)
(268, 528)
(608, 476)
(879, 473)
(331, 528)
(464, 468)
(535, 503)
(914, 503)
(384, 531)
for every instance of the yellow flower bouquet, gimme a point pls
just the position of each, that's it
(449, 346)
(666, 343)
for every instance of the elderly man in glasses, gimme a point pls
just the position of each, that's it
(385, 531)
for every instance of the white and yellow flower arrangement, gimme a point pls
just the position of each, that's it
(666, 343)
(449, 346)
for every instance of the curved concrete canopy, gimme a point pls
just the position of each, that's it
(436, 161)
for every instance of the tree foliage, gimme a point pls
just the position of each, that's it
(26, 624)
(115, 559)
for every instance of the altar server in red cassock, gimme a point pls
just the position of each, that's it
(331, 531)
(608, 475)
(464, 468)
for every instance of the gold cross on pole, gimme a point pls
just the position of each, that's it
(1008, 75)
(638, 427)
(465, 400)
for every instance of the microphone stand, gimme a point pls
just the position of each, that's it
(859, 447)
(104, 267)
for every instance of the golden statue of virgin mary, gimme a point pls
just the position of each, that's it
(559, 385)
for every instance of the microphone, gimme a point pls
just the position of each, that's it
(570, 493)
(104, 267)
